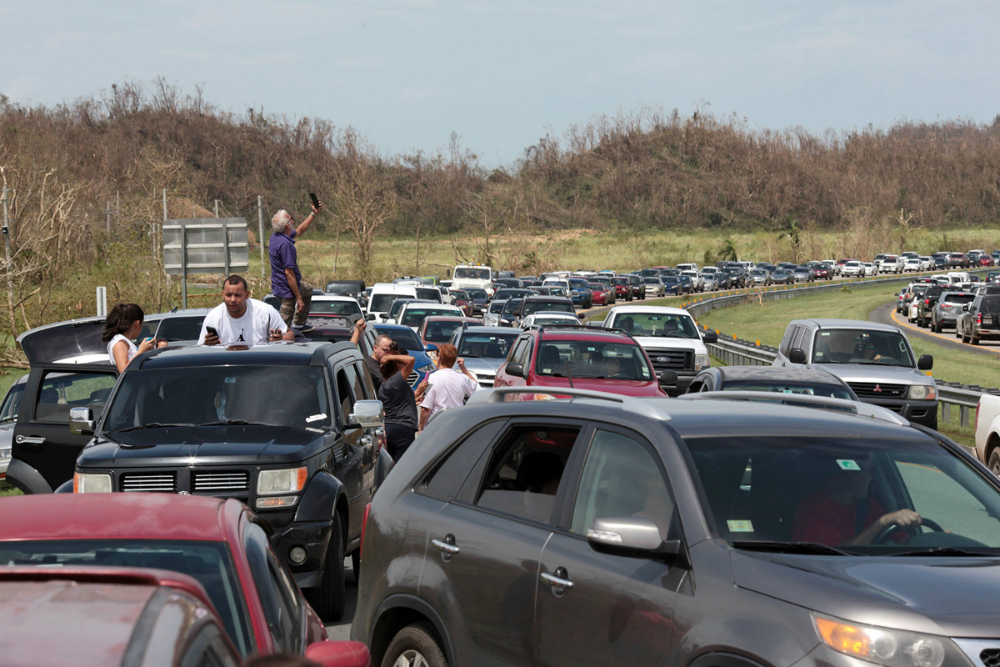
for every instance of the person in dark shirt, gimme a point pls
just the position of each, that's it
(397, 401)
(374, 362)
(841, 511)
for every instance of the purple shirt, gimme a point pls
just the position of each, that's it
(283, 256)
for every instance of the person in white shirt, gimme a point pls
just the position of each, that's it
(124, 323)
(447, 387)
(240, 320)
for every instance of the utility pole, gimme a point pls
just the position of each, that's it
(118, 208)
(260, 239)
(216, 208)
(155, 253)
(107, 214)
(6, 237)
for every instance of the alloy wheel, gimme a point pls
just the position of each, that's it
(411, 658)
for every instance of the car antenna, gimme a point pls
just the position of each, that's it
(569, 374)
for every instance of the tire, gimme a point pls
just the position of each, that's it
(994, 463)
(328, 598)
(974, 340)
(934, 327)
(414, 646)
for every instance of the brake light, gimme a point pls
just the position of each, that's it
(927, 302)
(364, 524)
(979, 318)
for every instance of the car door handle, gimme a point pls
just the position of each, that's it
(446, 546)
(30, 440)
(557, 579)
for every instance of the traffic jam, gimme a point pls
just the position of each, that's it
(490, 469)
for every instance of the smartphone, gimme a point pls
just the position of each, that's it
(212, 331)
(315, 201)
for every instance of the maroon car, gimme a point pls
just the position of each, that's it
(602, 296)
(108, 616)
(218, 542)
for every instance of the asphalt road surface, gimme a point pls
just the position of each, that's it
(342, 630)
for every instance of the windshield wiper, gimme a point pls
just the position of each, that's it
(469, 356)
(792, 548)
(151, 425)
(236, 422)
(951, 551)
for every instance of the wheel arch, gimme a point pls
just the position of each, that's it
(398, 611)
(722, 659)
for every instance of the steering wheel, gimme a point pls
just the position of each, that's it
(883, 536)
(620, 376)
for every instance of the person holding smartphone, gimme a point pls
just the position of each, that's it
(123, 324)
(240, 320)
(286, 279)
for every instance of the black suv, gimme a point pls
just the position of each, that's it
(606, 530)
(289, 429)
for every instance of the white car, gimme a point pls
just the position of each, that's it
(890, 264)
(548, 318)
(870, 269)
(853, 269)
(382, 296)
(913, 264)
(697, 281)
(414, 313)
(926, 263)
(343, 306)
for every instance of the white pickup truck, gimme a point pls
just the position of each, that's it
(988, 431)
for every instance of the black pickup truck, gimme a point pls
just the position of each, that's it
(289, 429)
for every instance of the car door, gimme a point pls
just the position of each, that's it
(42, 439)
(355, 468)
(597, 608)
(483, 547)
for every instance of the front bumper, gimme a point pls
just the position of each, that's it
(918, 412)
(314, 537)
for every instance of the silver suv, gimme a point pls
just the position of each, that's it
(876, 360)
(712, 532)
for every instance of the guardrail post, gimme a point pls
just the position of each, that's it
(946, 412)
(963, 415)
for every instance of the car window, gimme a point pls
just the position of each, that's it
(362, 370)
(854, 346)
(180, 328)
(207, 649)
(799, 337)
(486, 345)
(288, 604)
(446, 479)
(258, 553)
(525, 470)
(620, 479)
(593, 359)
(60, 391)
(345, 391)
(323, 307)
(357, 384)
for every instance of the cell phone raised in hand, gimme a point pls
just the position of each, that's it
(211, 331)
(315, 201)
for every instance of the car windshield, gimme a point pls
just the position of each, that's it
(471, 273)
(653, 281)
(621, 281)
(210, 395)
(544, 320)
(459, 295)
(210, 563)
(550, 306)
(476, 293)
(511, 306)
(404, 338)
(486, 345)
(180, 328)
(806, 388)
(342, 289)
(12, 403)
(660, 325)
(334, 307)
(758, 272)
(812, 489)
(380, 303)
(852, 346)
(415, 316)
(497, 306)
(440, 331)
(592, 359)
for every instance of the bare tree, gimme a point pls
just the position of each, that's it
(363, 200)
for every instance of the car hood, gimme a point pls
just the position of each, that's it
(548, 384)
(876, 373)
(953, 597)
(483, 365)
(661, 343)
(206, 445)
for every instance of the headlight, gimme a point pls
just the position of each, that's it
(893, 648)
(701, 361)
(289, 480)
(429, 368)
(90, 483)
(923, 392)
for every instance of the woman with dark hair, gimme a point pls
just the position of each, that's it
(397, 401)
(124, 323)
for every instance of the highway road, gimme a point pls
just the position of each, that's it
(342, 630)
(886, 314)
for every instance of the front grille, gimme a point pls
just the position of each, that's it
(878, 389)
(220, 482)
(149, 481)
(413, 378)
(486, 379)
(990, 657)
(671, 360)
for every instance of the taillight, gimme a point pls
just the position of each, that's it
(979, 318)
(927, 302)
(364, 524)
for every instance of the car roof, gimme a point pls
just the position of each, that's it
(449, 318)
(778, 374)
(548, 299)
(846, 324)
(479, 331)
(281, 353)
(554, 332)
(654, 310)
(116, 516)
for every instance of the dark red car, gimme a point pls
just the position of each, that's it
(557, 357)
(108, 616)
(623, 290)
(218, 542)
(602, 296)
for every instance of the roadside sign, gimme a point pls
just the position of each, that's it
(204, 245)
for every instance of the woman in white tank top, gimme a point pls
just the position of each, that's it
(123, 324)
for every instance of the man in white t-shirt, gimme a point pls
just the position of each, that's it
(240, 320)
(448, 388)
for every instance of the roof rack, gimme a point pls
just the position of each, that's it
(823, 402)
(499, 395)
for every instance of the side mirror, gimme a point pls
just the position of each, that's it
(965, 308)
(430, 347)
(81, 421)
(370, 317)
(925, 363)
(710, 337)
(631, 536)
(797, 356)
(668, 378)
(367, 414)
(514, 369)
(338, 654)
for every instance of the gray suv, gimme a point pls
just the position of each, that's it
(875, 360)
(608, 530)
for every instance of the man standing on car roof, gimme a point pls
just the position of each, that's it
(286, 280)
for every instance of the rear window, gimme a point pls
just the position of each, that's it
(548, 306)
(592, 359)
(991, 305)
(958, 298)
(404, 338)
(440, 332)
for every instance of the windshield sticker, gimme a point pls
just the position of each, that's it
(848, 464)
(230, 380)
(744, 526)
(315, 418)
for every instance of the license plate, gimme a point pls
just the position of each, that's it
(987, 319)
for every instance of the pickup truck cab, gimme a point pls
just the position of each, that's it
(289, 429)
(875, 360)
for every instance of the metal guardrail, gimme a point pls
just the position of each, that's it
(737, 352)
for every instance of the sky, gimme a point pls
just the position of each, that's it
(502, 74)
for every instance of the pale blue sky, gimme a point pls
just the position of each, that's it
(501, 74)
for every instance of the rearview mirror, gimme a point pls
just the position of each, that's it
(668, 378)
(370, 317)
(710, 337)
(925, 362)
(797, 356)
(367, 414)
(515, 369)
(338, 654)
(81, 421)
